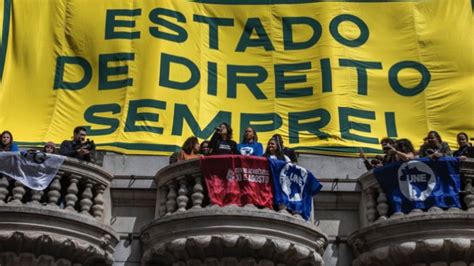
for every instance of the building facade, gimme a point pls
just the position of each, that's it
(137, 210)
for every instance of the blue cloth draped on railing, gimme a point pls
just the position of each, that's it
(294, 186)
(421, 184)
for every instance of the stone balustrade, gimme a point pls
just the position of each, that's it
(419, 237)
(188, 230)
(65, 224)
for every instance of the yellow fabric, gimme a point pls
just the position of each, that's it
(434, 34)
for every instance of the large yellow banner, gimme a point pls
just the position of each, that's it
(143, 75)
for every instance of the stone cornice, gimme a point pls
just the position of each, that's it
(42, 230)
(250, 232)
(418, 238)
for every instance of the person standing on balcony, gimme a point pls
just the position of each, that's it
(465, 147)
(49, 147)
(221, 141)
(190, 149)
(250, 144)
(79, 147)
(205, 150)
(7, 143)
(287, 151)
(402, 150)
(435, 147)
(274, 151)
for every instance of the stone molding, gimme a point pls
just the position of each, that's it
(419, 237)
(243, 236)
(62, 225)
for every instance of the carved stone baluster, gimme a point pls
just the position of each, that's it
(370, 205)
(435, 209)
(3, 188)
(86, 201)
(161, 200)
(469, 197)
(72, 191)
(171, 199)
(415, 211)
(98, 208)
(18, 193)
(182, 195)
(36, 196)
(54, 192)
(382, 205)
(198, 194)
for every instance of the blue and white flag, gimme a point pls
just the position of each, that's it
(293, 186)
(421, 184)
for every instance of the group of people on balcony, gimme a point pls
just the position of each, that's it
(221, 142)
(79, 147)
(433, 147)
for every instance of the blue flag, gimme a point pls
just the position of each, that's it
(421, 184)
(293, 186)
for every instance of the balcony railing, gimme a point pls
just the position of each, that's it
(188, 230)
(421, 236)
(61, 225)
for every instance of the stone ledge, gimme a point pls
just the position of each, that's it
(43, 230)
(236, 232)
(446, 237)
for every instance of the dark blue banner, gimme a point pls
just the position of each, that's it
(293, 186)
(421, 184)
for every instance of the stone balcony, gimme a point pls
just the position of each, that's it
(432, 237)
(63, 225)
(187, 230)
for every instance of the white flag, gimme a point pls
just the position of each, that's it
(34, 169)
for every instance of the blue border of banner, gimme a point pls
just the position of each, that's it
(282, 2)
(5, 35)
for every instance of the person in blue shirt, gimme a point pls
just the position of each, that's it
(250, 144)
(7, 143)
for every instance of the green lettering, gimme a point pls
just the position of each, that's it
(250, 81)
(134, 116)
(111, 22)
(61, 62)
(105, 71)
(246, 40)
(182, 113)
(281, 80)
(346, 125)
(313, 127)
(156, 17)
(91, 117)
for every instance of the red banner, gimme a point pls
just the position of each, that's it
(237, 179)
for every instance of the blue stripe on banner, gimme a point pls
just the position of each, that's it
(5, 34)
(282, 2)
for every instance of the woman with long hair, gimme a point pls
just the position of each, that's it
(7, 143)
(250, 144)
(221, 142)
(274, 151)
(465, 149)
(287, 151)
(205, 150)
(190, 149)
(434, 147)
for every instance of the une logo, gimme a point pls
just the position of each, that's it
(292, 180)
(416, 180)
